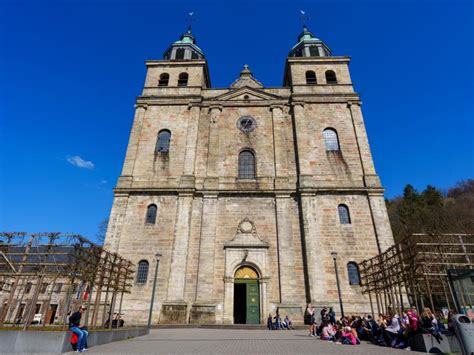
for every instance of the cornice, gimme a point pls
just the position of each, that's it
(327, 190)
(322, 60)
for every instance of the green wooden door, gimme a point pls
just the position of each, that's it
(253, 303)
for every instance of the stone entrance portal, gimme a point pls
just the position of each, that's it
(246, 296)
(246, 276)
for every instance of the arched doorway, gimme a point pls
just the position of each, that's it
(246, 296)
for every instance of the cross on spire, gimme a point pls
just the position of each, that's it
(304, 17)
(190, 19)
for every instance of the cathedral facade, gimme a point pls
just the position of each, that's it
(252, 195)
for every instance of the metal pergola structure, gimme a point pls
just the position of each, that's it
(416, 271)
(93, 276)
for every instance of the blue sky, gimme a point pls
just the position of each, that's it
(71, 70)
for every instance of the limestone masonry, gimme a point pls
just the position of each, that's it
(246, 191)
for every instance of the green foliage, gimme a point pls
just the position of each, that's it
(433, 211)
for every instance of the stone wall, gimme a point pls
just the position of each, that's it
(292, 204)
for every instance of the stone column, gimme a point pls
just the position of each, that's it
(134, 140)
(191, 140)
(370, 176)
(175, 307)
(314, 250)
(203, 310)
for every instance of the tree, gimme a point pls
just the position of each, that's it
(101, 231)
(432, 212)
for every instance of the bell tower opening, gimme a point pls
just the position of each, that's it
(246, 296)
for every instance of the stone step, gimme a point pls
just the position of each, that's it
(219, 326)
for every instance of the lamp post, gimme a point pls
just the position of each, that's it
(334, 256)
(158, 256)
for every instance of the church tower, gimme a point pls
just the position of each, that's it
(247, 192)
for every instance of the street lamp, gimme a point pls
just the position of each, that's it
(334, 256)
(158, 256)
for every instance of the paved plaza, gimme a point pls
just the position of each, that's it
(234, 341)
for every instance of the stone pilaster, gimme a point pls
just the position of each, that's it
(213, 150)
(314, 248)
(203, 310)
(115, 225)
(381, 221)
(286, 253)
(279, 141)
(191, 140)
(176, 281)
(205, 279)
(286, 261)
(370, 176)
(134, 140)
(298, 119)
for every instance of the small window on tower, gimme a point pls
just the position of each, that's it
(344, 216)
(313, 51)
(311, 77)
(331, 141)
(151, 214)
(163, 141)
(194, 55)
(164, 79)
(180, 53)
(183, 79)
(331, 77)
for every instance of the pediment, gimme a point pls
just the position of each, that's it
(246, 236)
(246, 94)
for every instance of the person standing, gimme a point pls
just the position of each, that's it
(74, 326)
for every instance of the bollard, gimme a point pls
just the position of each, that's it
(465, 333)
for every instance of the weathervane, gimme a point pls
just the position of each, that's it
(190, 19)
(303, 17)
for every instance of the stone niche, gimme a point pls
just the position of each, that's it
(173, 313)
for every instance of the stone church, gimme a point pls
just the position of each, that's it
(247, 192)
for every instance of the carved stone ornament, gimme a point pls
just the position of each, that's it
(246, 236)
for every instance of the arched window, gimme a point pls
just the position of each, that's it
(164, 79)
(246, 165)
(183, 79)
(163, 141)
(151, 214)
(311, 77)
(331, 77)
(194, 55)
(180, 53)
(142, 272)
(331, 141)
(353, 272)
(344, 217)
